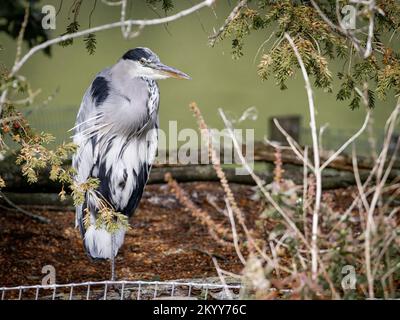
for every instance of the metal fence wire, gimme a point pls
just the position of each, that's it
(123, 290)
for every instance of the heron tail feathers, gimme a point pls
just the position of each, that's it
(98, 242)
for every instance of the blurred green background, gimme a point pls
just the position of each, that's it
(218, 80)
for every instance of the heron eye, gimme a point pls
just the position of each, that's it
(143, 61)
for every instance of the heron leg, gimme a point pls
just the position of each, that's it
(112, 257)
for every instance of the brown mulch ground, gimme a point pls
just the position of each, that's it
(164, 242)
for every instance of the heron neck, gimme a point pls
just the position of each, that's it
(122, 71)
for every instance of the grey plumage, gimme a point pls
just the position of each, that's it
(116, 131)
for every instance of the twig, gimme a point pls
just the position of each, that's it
(377, 194)
(10, 119)
(141, 23)
(368, 48)
(234, 233)
(22, 33)
(360, 187)
(144, 22)
(209, 254)
(215, 160)
(223, 180)
(347, 143)
(23, 211)
(271, 200)
(339, 28)
(305, 189)
(214, 229)
(293, 144)
(222, 278)
(317, 168)
(213, 38)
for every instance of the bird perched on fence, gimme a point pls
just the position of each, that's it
(116, 135)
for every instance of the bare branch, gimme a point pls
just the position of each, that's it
(377, 194)
(22, 33)
(317, 169)
(347, 143)
(349, 34)
(213, 38)
(143, 23)
(271, 200)
(294, 145)
(360, 187)
(222, 278)
(368, 48)
(234, 233)
(23, 211)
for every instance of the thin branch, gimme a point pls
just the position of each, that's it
(217, 231)
(60, 7)
(368, 48)
(234, 233)
(271, 200)
(141, 23)
(360, 187)
(317, 169)
(232, 16)
(293, 145)
(305, 189)
(150, 22)
(26, 213)
(377, 194)
(346, 32)
(22, 33)
(222, 278)
(111, 3)
(347, 143)
(257, 179)
(91, 13)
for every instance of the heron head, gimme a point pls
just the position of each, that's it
(143, 62)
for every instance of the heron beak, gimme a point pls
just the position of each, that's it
(171, 72)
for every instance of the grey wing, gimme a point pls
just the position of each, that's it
(85, 138)
(87, 124)
(82, 160)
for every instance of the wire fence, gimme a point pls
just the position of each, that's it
(123, 290)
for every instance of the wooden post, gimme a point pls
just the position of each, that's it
(292, 125)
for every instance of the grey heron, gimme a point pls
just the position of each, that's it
(116, 135)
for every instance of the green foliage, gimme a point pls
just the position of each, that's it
(106, 218)
(71, 28)
(34, 156)
(319, 44)
(79, 189)
(110, 220)
(388, 78)
(90, 43)
(90, 39)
